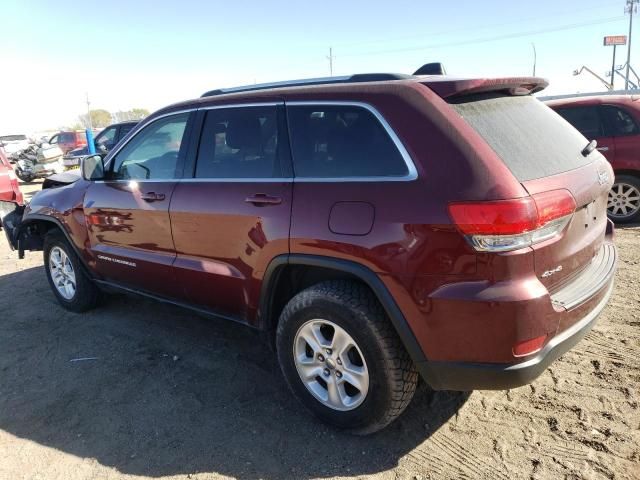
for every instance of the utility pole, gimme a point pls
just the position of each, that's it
(90, 127)
(535, 58)
(330, 58)
(631, 8)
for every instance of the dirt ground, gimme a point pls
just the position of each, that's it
(137, 389)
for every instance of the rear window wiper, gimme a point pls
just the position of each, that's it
(591, 146)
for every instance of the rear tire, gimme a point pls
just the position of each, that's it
(623, 205)
(72, 287)
(313, 330)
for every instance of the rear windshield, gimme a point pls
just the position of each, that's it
(530, 138)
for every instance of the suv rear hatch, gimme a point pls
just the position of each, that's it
(545, 154)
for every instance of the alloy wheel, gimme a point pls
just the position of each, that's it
(624, 201)
(62, 273)
(331, 365)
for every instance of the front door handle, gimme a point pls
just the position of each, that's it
(262, 200)
(603, 149)
(152, 196)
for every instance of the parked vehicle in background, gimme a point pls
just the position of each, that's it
(376, 227)
(38, 161)
(12, 144)
(104, 142)
(614, 122)
(9, 189)
(68, 141)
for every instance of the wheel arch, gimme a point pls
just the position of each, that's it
(34, 228)
(631, 173)
(279, 271)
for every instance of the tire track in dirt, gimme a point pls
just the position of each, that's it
(451, 456)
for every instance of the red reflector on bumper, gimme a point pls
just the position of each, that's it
(528, 347)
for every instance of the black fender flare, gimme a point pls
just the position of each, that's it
(364, 274)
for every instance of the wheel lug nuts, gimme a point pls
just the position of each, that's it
(321, 357)
(339, 374)
(328, 351)
(326, 372)
(339, 362)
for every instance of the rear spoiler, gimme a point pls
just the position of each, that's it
(450, 88)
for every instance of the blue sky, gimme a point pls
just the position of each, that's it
(148, 54)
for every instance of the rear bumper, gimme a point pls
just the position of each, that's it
(490, 376)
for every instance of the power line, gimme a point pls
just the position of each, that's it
(488, 39)
(547, 16)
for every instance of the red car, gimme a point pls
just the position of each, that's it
(9, 189)
(614, 122)
(378, 227)
(68, 141)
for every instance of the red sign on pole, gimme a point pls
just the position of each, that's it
(615, 40)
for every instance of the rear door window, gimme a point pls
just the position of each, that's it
(584, 119)
(528, 136)
(240, 142)
(341, 141)
(617, 122)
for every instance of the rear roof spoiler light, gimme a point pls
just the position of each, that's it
(505, 225)
(450, 88)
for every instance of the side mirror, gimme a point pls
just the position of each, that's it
(92, 168)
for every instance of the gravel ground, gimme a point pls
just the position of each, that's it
(137, 389)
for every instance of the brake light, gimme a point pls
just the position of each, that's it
(504, 225)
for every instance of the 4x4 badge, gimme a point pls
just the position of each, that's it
(548, 273)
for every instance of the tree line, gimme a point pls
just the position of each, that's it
(101, 118)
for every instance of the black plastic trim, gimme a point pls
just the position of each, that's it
(366, 275)
(202, 311)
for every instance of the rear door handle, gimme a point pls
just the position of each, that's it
(603, 149)
(262, 200)
(152, 196)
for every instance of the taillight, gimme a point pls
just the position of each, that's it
(504, 225)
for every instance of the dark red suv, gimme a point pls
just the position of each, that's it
(614, 122)
(379, 226)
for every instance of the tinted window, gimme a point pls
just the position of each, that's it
(528, 136)
(67, 137)
(330, 141)
(239, 143)
(584, 119)
(617, 122)
(107, 137)
(153, 152)
(124, 129)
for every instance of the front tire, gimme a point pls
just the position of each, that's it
(72, 287)
(342, 357)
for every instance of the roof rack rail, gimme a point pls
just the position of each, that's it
(360, 77)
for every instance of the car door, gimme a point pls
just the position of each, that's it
(128, 213)
(623, 128)
(233, 216)
(588, 120)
